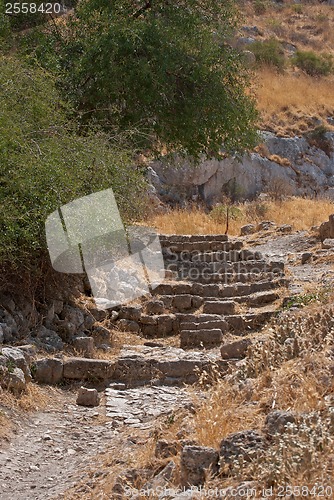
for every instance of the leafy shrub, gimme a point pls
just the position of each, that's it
(297, 8)
(314, 64)
(219, 213)
(44, 163)
(260, 7)
(269, 52)
(317, 137)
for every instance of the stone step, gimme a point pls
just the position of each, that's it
(201, 338)
(176, 248)
(217, 290)
(238, 324)
(166, 239)
(220, 324)
(165, 365)
(229, 278)
(188, 302)
(228, 255)
(170, 324)
(226, 307)
(251, 266)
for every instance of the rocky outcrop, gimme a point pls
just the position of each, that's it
(15, 368)
(290, 166)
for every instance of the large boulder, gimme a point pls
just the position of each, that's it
(47, 339)
(14, 380)
(16, 358)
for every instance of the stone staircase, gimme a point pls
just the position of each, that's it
(212, 286)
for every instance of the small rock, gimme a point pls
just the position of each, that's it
(237, 349)
(48, 339)
(306, 256)
(84, 346)
(165, 449)
(88, 397)
(265, 225)
(277, 421)
(328, 243)
(195, 462)
(246, 444)
(286, 228)
(248, 229)
(16, 357)
(126, 325)
(155, 307)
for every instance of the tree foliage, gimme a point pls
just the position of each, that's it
(162, 70)
(44, 163)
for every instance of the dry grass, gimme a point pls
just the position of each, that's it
(225, 411)
(14, 407)
(291, 103)
(307, 25)
(35, 398)
(301, 213)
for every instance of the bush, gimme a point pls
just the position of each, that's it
(44, 163)
(269, 52)
(318, 138)
(219, 213)
(260, 7)
(314, 64)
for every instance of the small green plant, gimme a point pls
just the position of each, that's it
(314, 64)
(10, 365)
(276, 26)
(269, 52)
(255, 211)
(170, 419)
(219, 213)
(308, 298)
(260, 7)
(317, 137)
(297, 8)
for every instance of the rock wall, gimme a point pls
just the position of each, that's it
(286, 166)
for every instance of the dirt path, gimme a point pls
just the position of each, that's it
(319, 270)
(52, 450)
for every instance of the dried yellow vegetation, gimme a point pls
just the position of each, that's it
(301, 213)
(291, 103)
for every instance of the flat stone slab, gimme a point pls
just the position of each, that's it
(201, 338)
(141, 406)
(217, 307)
(167, 365)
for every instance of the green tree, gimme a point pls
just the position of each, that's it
(160, 69)
(44, 163)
